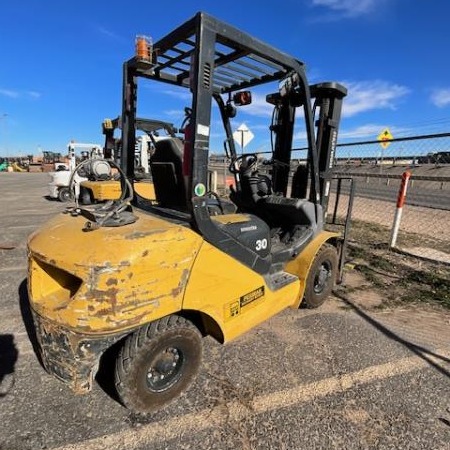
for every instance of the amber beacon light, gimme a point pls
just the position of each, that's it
(144, 47)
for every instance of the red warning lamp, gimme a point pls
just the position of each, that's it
(242, 98)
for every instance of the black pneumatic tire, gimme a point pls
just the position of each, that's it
(157, 363)
(64, 194)
(321, 277)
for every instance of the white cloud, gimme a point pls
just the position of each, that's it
(362, 96)
(348, 8)
(370, 131)
(9, 93)
(181, 94)
(174, 114)
(259, 107)
(440, 97)
(19, 94)
(363, 131)
(369, 95)
(108, 33)
(34, 94)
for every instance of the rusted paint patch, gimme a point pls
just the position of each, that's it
(145, 253)
(111, 281)
(182, 284)
(101, 296)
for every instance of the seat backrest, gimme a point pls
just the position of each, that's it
(166, 167)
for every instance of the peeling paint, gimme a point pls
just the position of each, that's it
(100, 296)
(128, 276)
(182, 284)
(154, 304)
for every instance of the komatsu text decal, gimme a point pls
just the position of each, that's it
(245, 302)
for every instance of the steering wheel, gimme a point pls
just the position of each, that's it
(243, 163)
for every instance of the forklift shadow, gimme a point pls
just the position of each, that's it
(8, 359)
(27, 318)
(422, 352)
(106, 369)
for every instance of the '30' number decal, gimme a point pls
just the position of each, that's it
(261, 244)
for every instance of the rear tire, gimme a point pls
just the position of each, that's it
(157, 363)
(321, 277)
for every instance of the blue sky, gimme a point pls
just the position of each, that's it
(62, 64)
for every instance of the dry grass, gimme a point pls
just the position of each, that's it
(398, 278)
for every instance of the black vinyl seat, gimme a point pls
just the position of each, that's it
(293, 211)
(167, 173)
(292, 220)
(256, 197)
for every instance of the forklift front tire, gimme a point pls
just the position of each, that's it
(157, 363)
(64, 194)
(321, 277)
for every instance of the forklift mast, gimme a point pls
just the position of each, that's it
(328, 98)
(328, 101)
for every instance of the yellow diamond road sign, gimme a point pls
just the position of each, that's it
(384, 137)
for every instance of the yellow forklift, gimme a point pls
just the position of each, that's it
(154, 277)
(101, 181)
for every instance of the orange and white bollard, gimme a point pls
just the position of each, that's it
(400, 202)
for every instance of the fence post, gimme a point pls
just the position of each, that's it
(400, 202)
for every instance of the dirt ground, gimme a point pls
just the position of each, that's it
(395, 276)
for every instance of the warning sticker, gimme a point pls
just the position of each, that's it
(246, 302)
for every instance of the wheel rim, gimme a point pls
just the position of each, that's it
(65, 195)
(322, 277)
(165, 370)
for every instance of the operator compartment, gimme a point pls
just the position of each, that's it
(247, 229)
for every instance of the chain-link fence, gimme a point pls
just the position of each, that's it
(377, 168)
